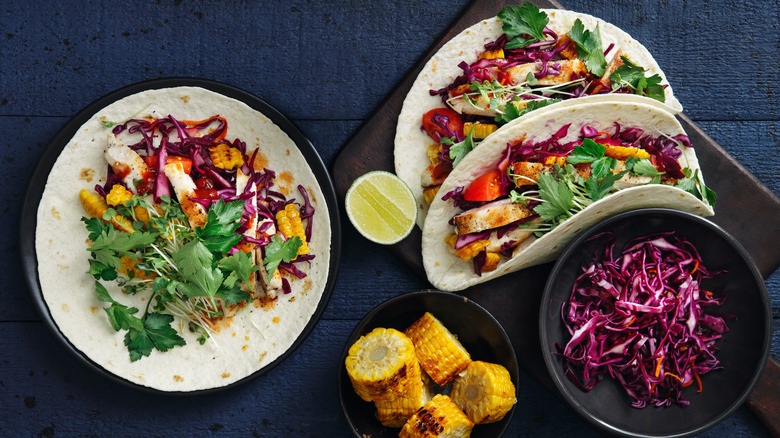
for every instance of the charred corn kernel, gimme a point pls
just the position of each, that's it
(552, 160)
(484, 391)
(440, 418)
(96, 206)
(623, 152)
(492, 54)
(118, 195)
(434, 152)
(289, 222)
(430, 193)
(225, 157)
(481, 130)
(128, 267)
(439, 352)
(469, 251)
(394, 413)
(382, 366)
(491, 263)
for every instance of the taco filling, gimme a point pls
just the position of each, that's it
(538, 185)
(192, 220)
(529, 66)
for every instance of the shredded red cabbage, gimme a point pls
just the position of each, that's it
(638, 317)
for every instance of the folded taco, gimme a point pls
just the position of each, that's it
(529, 189)
(183, 240)
(501, 69)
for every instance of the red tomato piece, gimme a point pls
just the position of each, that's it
(485, 188)
(186, 163)
(435, 131)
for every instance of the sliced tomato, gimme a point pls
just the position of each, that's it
(485, 188)
(186, 163)
(435, 131)
(206, 194)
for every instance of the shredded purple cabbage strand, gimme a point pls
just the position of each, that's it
(639, 318)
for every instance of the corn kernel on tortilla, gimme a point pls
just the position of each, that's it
(256, 335)
(450, 273)
(410, 151)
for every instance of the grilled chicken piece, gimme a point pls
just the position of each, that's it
(125, 162)
(489, 216)
(517, 75)
(566, 69)
(184, 187)
(616, 62)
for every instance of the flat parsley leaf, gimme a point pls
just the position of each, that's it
(642, 167)
(196, 266)
(633, 76)
(155, 333)
(459, 150)
(523, 20)
(218, 234)
(588, 152)
(511, 111)
(280, 250)
(557, 195)
(589, 47)
(240, 263)
(693, 185)
(600, 187)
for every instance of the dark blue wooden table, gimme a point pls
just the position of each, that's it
(326, 65)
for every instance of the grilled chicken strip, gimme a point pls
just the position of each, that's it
(184, 187)
(491, 215)
(125, 162)
(517, 75)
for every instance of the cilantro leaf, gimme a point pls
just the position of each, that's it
(557, 195)
(693, 185)
(511, 111)
(459, 150)
(588, 152)
(280, 250)
(218, 233)
(589, 47)
(233, 295)
(155, 333)
(602, 167)
(196, 266)
(523, 20)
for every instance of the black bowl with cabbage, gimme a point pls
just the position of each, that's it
(655, 322)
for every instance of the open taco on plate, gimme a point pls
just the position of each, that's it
(530, 188)
(500, 70)
(183, 240)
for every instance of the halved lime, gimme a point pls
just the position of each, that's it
(381, 207)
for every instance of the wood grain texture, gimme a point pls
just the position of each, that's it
(328, 65)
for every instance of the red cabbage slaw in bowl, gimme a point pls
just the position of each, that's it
(639, 318)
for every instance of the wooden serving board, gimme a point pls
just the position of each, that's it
(745, 208)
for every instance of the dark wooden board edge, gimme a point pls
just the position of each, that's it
(746, 208)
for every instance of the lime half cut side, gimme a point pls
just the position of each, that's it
(381, 207)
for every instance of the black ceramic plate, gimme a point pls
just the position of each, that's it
(743, 349)
(479, 332)
(38, 179)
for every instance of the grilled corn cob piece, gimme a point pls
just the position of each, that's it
(119, 195)
(440, 353)
(624, 152)
(480, 130)
(129, 269)
(469, 251)
(225, 157)
(484, 391)
(441, 418)
(430, 193)
(491, 54)
(96, 206)
(290, 224)
(394, 413)
(382, 365)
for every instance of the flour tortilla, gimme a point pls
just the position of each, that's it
(256, 337)
(448, 272)
(411, 143)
